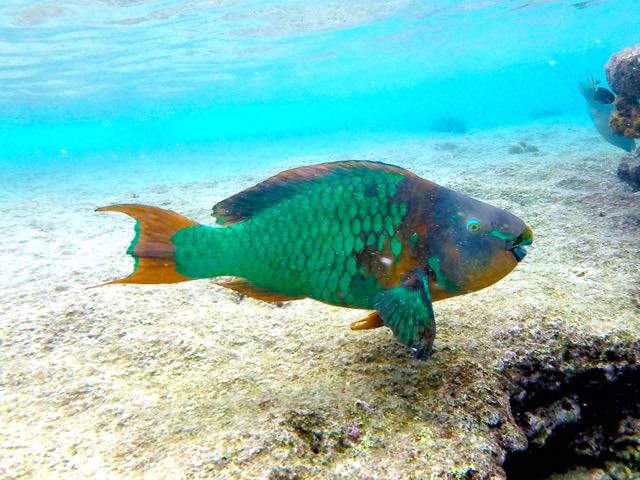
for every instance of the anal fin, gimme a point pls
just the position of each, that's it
(250, 289)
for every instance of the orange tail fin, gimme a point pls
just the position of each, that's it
(152, 247)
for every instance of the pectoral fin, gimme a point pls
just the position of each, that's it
(407, 310)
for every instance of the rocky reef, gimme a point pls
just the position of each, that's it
(625, 117)
(623, 74)
(577, 405)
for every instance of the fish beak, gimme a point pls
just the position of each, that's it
(524, 240)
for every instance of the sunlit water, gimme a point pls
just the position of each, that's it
(116, 77)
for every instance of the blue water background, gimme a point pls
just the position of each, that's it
(114, 80)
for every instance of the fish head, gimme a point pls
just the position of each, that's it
(473, 244)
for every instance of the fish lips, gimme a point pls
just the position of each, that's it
(518, 248)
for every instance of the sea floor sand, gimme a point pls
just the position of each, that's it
(195, 381)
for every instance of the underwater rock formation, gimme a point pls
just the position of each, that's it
(629, 171)
(623, 74)
(625, 118)
(576, 406)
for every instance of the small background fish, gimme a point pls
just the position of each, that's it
(600, 112)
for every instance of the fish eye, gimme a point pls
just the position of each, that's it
(473, 225)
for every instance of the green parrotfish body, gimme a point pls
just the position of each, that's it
(354, 234)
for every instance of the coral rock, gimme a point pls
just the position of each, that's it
(625, 118)
(623, 72)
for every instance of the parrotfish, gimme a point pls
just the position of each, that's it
(600, 106)
(356, 234)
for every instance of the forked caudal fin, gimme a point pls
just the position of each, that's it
(152, 247)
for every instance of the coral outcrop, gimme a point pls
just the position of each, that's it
(625, 118)
(623, 74)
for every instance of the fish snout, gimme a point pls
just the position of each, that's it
(518, 246)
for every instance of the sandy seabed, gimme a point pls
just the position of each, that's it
(195, 381)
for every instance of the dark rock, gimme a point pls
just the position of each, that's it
(623, 72)
(629, 171)
(449, 124)
(576, 407)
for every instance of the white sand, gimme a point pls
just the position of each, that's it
(191, 380)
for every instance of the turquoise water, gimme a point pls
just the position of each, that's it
(181, 104)
(85, 80)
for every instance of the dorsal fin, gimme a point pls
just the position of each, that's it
(286, 184)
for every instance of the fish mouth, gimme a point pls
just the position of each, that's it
(518, 249)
